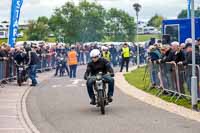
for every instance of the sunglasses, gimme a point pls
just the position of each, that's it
(95, 57)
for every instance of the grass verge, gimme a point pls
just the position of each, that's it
(146, 37)
(140, 80)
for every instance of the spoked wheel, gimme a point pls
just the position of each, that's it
(102, 102)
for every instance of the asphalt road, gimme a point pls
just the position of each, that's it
(61, 105)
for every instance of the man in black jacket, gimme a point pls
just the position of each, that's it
(178, 53)
(97, 65)
(33, 59)
(188, 58)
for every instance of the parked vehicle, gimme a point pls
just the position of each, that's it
(3, 34)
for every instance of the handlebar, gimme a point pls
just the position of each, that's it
(95, 76)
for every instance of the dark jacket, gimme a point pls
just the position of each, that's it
(168, 57)
(154, 55)
(33, 58)
(102, 65)
(179, 56)
(20, 57)
(188, 59)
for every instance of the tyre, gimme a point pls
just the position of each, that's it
(19, 82)
(102, 102)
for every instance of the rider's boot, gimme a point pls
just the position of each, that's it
(110, 99)
(93, 101)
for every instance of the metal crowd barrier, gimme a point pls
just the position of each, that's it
(173, 78)
(7, 70)
(47, 62)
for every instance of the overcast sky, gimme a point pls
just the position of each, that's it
(31, 9)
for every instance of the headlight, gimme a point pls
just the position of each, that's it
(98, 77)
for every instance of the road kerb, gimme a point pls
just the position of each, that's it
(23, 113)
(132, 91)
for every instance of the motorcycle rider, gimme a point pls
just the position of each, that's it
(61, 59)
(97, 65)
(20, 58)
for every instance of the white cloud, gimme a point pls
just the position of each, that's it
(31, 9)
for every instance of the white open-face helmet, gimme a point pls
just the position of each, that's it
(95, 53)
(105, 48)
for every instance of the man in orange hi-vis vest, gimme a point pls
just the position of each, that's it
(72, 62)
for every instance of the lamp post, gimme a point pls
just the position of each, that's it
(189, 9)
(137, 8)
(194, 77)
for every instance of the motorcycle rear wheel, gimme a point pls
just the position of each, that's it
(19, 82)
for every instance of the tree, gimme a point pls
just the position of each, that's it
(37, 30)
(119, 26)
(65, 22)
(92, 21)
(156, 21)
(183, 13)
(43, 19)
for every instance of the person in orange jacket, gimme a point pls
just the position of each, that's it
(72, 62)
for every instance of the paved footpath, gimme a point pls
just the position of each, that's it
(11, 118)
(61, 105)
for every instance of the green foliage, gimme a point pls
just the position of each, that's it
(43, 19)
(90, 22)
(183, 13)
(147, 37)
(156, 21)
(119, 26)
(84, 23)
(66, 22)
(38, 30)
(136, 77)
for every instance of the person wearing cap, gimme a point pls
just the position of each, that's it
(126, 54)
(72, 62)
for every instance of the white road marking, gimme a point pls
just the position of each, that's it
(8, 116)
(3, 129)
(56, 86)
(9, 101)
(76, 81)
(83, 85)
(72, 85)
(8, 107)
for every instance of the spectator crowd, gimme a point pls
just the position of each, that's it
(170, 65)
(49, 56)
